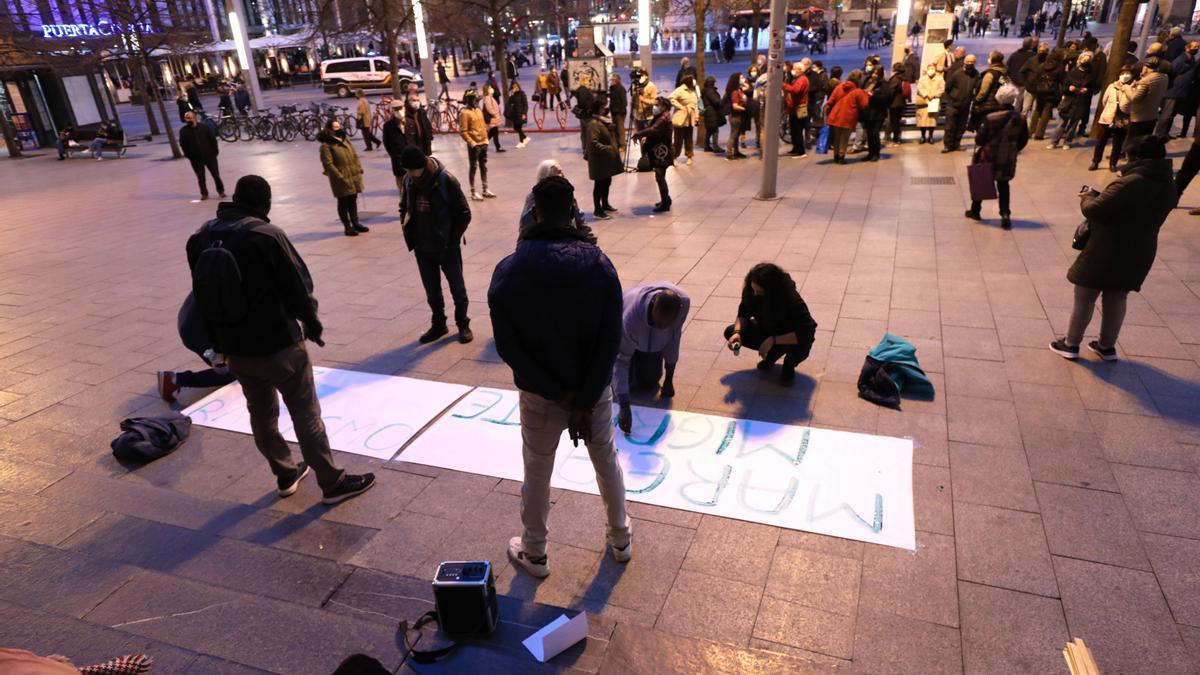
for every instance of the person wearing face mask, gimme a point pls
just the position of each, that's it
(1045, 81)
(645, 102)
(200, 147)
(490, 108)
(655, 140)
(398, 134)
(414, 114)
(1179, 92)
(875, 115)
(603, 158)
(796, 106)
(930, 89)
(684, 102)
(1077, 100)
(734, 105)
(1016, 72)
(1145, 95)
(341, 165)
(516, 111)
(1113, 120)
(960, 89)
(652, 327)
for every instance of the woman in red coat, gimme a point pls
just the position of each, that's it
(842, 109)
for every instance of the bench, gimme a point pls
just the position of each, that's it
(117, 142)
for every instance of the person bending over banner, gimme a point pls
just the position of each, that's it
(652, 325)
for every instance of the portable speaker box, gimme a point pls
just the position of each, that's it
(464, 593)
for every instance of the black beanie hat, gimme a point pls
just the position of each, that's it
(553, 196)
(412, 158)
(253, 191)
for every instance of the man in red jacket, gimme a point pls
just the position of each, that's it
(796, 93)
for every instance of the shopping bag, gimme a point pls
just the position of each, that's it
(935, 104)
(982, 177)
(823, 141)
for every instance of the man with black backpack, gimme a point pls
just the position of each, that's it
(255, 295)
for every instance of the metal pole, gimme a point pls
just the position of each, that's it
(1147, 21)
(900, 32)
(427, 70)
(645, 54)
(237, 25)
(774, 92)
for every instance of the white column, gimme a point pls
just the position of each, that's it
(237, 24)
(428, 73)
(900, 32)
(645, 55)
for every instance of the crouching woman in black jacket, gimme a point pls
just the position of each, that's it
(773, 319)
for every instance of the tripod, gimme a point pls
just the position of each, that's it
(635, 94)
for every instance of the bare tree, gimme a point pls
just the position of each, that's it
(498, 16)
(389, 21)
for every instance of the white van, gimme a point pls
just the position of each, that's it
(343, 76)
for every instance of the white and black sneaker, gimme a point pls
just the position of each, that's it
(350, 486)
(289, 484)
(1108, 354)
(537, 567)
(1064, 350)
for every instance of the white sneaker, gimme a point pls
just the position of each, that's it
(622, 555)
(689, 161)
(489, 194)
(475, 196)
(537, 567)
(1052, 146)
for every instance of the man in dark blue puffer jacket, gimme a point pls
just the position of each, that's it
(556, 317)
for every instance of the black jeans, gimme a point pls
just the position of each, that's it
(199, 165)
(348, 209)
(369, 138)
(600, 193)
(204, 379)
(873, 128)
(798, 127)
(494, 134)
(477, 155)
(956, 123)
(1189, 167)
(1001, 192)
(664, 192)
(432, 266)
(1107, 131)
(519, 127)
(894, 115)
(753, 336)
(711, 141)
(645, 370)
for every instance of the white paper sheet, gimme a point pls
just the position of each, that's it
(855, 486)
(364, 413)
(557, 636)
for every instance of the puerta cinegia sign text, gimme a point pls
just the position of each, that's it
(98, 29)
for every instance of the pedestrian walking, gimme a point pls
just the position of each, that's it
(364, 118)
(490, 107)
(443, 80)
(773, 319)
(516, 111)
(603, 159)
(685, 113)
(842, 111)
(930, 90)
(652, 321)
(1001, 137)
(473, 131)
(264, 345)
(1113, 121)
(340, 163)
(1122, 223)
(714, 119)
(656, 147)
(556, 312)
(199, 145)
(435, 215)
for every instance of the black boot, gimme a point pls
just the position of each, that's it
(437, 330)
(350, 231)
(359, 227)
(464, 332)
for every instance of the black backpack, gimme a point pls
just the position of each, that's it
(216, 277)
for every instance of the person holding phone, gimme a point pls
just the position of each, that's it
(773, 319)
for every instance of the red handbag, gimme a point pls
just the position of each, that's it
(982, 179)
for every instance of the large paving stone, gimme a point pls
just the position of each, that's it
(803, 627)
(1121, 614)
(1090, 525)
(889, 643)
(921, 585)
(732, 549)
(711, 608)
(36, 518)
(232, 625)
(994, 476)
(982, 421)
(635, 651)
(819, 580)
(644, 582)
(404, 545)
(63, 582)
(1009, 632)
(1067, 458)
(1160, 501)
(1174, 560)
(1022, 563)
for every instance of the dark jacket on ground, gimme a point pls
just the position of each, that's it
(395, 140)
(517, 107)
(556, 316)
(713, 118)
(198, 142)
(603, 157)
(277, 285)
(434, 213)
(1001, 136)
(1124, 222)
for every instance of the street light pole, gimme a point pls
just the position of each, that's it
(770, 149)
(241, 40)
(427, 70)
(645, 55)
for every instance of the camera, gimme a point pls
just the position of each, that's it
(1085, 189)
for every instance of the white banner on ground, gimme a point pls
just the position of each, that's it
(364, 413)
(849, 485)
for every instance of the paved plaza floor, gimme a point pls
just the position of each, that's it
(1053, 499)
